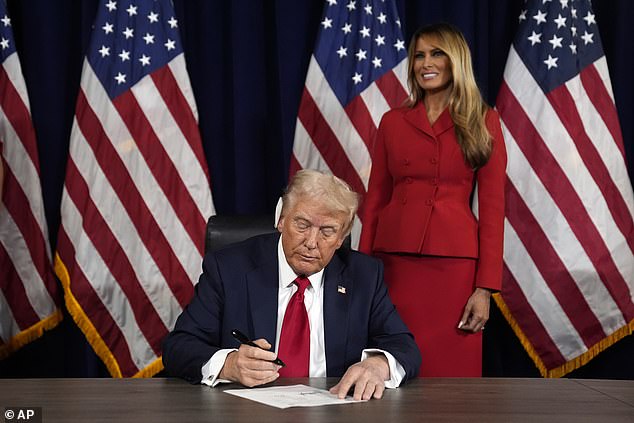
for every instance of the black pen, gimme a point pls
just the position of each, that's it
(243, 339)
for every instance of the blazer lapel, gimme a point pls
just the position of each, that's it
(443, 123)
(336, 301)
(417, 116)
(262, 286)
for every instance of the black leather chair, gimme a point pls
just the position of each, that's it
(228, 229)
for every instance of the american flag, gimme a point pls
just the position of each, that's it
(28, 290)
(569, 235)
(136, 197)
(357, 72)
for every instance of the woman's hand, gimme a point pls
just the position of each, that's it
(476, 312)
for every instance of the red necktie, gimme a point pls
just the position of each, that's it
(294, 347)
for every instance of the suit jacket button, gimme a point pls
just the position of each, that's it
(434, 181)
(408, 180)
(406, 162)
(429, 202)
(433, 160)
(403, 200)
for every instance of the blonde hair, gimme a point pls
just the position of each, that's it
(333, 193)
(466, 105)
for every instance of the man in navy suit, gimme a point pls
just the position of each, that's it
(354, 329)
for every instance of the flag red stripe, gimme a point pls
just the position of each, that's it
(162, 167)
(179, 108)
(118, 262)
(17, 204)
(566, 198)
(92, 306)
(599, 96)
(12, 288)
(529, 322)
(361, 119)
(18, 115)
(145, 224)
(294, 166)
(552, 269)
(391, 88)
(564, 106)
(327, 142)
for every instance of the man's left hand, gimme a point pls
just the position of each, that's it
(367, 376)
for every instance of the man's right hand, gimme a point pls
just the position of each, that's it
(251, 366)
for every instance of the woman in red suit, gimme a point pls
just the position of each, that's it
(441, 262)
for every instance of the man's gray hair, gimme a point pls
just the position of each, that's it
(335, 194)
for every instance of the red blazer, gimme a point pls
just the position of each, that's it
(419, 195)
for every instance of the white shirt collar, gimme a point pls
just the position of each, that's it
(287, 275)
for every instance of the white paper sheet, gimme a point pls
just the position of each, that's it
(291, 396)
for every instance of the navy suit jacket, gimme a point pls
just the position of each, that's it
(238, 289)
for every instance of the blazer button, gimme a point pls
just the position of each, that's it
(406, 162)
(403, 200)
(408, 180)
(434, 181)
(429, 202)
(433, 160)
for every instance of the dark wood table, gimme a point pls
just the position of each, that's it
(427, 400)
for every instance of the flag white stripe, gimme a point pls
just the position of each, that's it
(26, 175)
(601, 66)
(107, 202)
(18, 251)
(173, 141)
(179, 70)
(338, 120)
(307, 155)
(400, 71)
(561, 238)
(355, 234)
(141, 175)
(8, 326)
(14, 72)
(602, 139)
(564, 151)
(375, 102)
(106, 287)
(539, 296)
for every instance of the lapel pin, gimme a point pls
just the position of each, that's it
(341, 289)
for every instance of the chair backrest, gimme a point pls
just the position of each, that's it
(228, 229)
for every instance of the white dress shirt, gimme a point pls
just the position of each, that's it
(313, 300)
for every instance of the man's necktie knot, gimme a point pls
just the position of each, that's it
(302, 283)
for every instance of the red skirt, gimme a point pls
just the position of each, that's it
(430, 294)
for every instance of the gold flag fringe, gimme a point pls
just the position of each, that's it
(91, 333)
(570, 365)
(30, 334)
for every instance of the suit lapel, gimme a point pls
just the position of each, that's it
(262, 286)
(443, 123)
(337, 290)
(417, 116)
